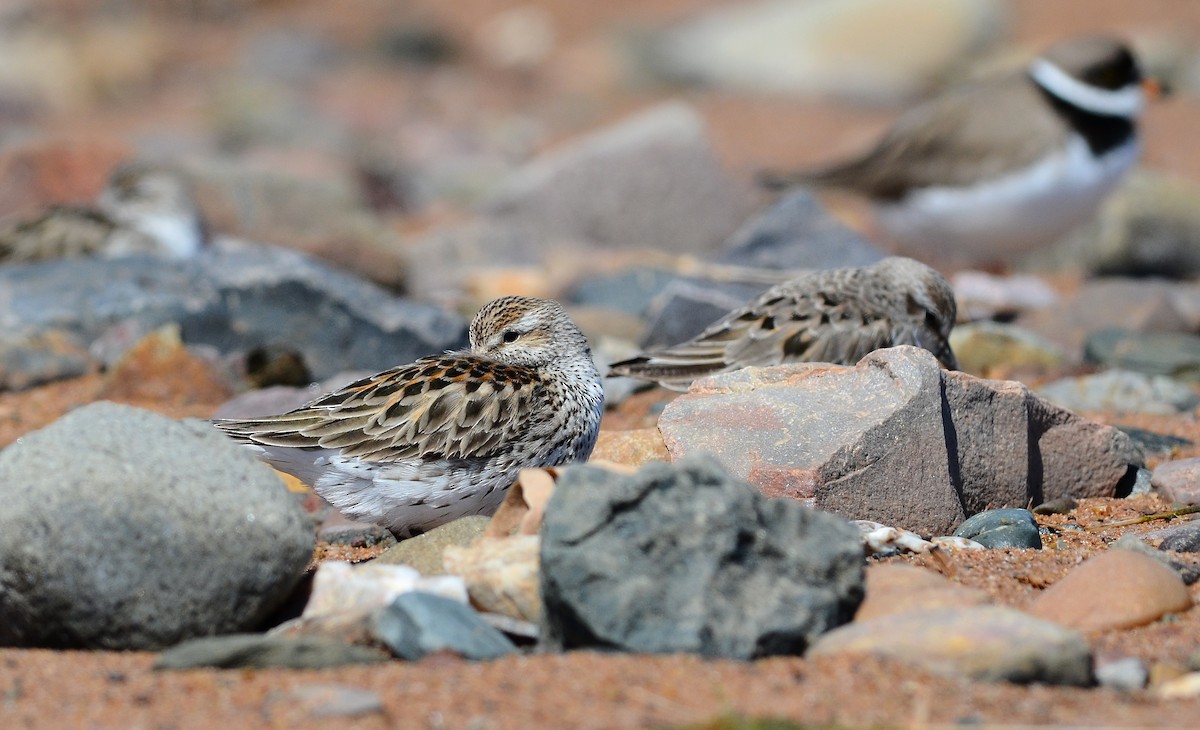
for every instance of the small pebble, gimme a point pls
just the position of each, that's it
(1124, 674)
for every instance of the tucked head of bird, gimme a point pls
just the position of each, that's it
(526, 331)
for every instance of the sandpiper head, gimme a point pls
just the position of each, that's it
(526, 331)
(929, 294)
(139, 188)
(158, 202)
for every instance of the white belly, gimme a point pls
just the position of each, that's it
(1010, 215)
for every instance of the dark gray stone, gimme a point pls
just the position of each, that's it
(683, 558)
(1002, 528)
(234, 298)
(416, 624)
(896, 439)
(262, 651)
(1152, 442)
(1175, 354)
(686, 306)
(1184, 538)
(124, 529)
(1059, 506)
(797, 232)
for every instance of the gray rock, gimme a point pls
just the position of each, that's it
(417, 624)
(234, 298)
(41, 358)
(262, 651)
(1126, 674)
(896, 439)
(123, 529)
(683, 558)
(1183, 538)
(1122, 391)
(424, 552)
(629, 291)
(797, 232)
(1141, 305)
(652, 181)
(1059, 506)
(982, 642)
(1152, 442)
(1002, 528)
(686, 306)
(1141, 483)
(795, 46)
(1175, 354)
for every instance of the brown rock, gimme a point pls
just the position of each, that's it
(1119, 589)
(896, 439)
(160, 369)
(632, 448)
(1178, 481)
(981, 642)
(894, 588)
(521, 511)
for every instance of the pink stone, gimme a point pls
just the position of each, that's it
(1118, 589)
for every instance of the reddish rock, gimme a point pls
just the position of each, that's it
(632, 448)
(895, 588)
(896, 439)
(1178, 481)
(159, 369)
(1118, 589)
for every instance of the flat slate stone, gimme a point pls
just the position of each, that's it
(261, 651)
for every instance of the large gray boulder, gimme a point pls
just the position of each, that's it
(235, 297)
(652, 181)
(896, 439)
(684, 558)
(124, 529)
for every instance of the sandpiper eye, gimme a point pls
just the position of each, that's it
(510, 335)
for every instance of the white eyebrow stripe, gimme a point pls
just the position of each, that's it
(1127, 102)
